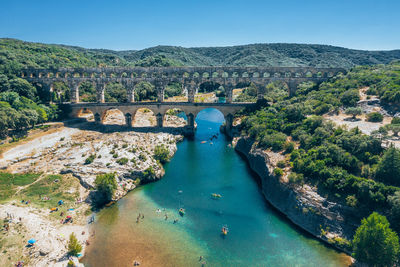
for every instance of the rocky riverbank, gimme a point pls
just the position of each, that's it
(328, 221)
(78, 151)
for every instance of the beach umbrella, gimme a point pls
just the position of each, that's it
(69, 217)
(32, 241)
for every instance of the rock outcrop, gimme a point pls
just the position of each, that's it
(302, 205)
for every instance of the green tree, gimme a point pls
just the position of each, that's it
(161, 153)
(73, 245)
(374, 117)
(388, 170)
(354, 112)
(105, 185)
(23, 88)
(394, 202)
(375, 243)
(350, 98)
(115, 92)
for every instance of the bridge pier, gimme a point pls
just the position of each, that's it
(74, 87)
(128, 120)
(100, 89)
(97, 118)
(159, 118)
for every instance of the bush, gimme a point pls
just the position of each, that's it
(275, 141)
(375, 243)
(142, 157)
(105, 185)
(351, 201)
(281, 164)
(149, 173)
(350, 98)
(161, 153)
(122, 161)
(296, 178)
(73, 246)
(374, 117)
(289, 147)
(90, 159)
(278, 172)
(395, 120)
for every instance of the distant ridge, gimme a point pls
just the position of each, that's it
(275, 54)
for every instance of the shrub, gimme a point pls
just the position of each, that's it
(351, 201)
(149, 173)
(133, 160)
(161, 153)
(374, 117)
(142, 157)
(395, 120)
(73, 246)
(106, 185)
(115, 155)
(281, 164)
(90, 159)
(350, 98)
(122, 161)
(375, 243)
(278, 172)
(289, 147)
(296, 178)
(125, 145)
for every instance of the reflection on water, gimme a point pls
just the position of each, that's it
(257, 236)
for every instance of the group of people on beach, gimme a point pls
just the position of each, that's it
(140, 216)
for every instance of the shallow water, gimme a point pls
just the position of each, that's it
(258, 236)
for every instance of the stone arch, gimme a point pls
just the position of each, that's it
(205, 75)
(145, 91)
(206, 90)
(86, 113)
(115, 91)
(174, 117)
(245, 74)
(215, 74)
(173, 92)
(235, 74)
(266, 75)
(308, 74)
(112, 116)
(217, 116)
(144, 117)
(60, 91)
(276, 89)
(87, 91)
(256, 74)
(225, 74)
(196, 75)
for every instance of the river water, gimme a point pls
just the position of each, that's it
(258, 235)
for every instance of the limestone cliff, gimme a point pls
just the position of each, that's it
(328, 221)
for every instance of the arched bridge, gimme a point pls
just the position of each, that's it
(189, 77)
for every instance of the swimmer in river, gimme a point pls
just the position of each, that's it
(175, 221)
(166, 217)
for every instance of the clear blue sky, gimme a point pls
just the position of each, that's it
(133, 24)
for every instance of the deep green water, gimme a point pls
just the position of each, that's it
(258, 235)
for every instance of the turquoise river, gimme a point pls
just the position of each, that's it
(258, 235)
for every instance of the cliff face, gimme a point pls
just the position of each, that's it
(302, 205)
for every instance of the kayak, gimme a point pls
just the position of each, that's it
(215, 196)
(224, 230)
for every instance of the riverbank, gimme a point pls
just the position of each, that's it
(77, 153)
(329, 222)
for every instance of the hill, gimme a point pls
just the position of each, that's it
(16, 54)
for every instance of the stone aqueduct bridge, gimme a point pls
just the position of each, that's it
(190, 77)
